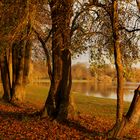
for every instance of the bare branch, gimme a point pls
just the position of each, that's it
(43, 43)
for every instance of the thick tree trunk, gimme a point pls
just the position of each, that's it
(21, 56)
(62, 98)
(18, 69)
(58, 98)
(56, 78)
(132, 117)
(5, 76)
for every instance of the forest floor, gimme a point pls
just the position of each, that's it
(93, 117)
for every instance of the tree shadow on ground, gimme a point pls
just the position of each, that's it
(90, 134)
(72, 124)
(18, 111)
(17, 115)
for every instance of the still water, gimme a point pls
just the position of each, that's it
(101, 90)
(104, 90)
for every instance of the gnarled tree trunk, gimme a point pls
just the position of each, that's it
(58, 98)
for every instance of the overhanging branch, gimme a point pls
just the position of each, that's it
(129, 30)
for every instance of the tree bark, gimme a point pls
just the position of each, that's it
(58, 98)
(17, 32)
(21, 56)
(118, 63)
(62, 98)
(27, 60)
(132, 117)
(119, 68)
(5, 76)
(18, 69)
(123, 123)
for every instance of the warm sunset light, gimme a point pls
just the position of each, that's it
(69, 70)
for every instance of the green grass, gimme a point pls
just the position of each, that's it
(96, 106)
(82, 103)
(36, 94)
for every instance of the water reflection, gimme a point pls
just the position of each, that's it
(101, 90)
(104, 90)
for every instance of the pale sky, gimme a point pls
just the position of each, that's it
(84, 58)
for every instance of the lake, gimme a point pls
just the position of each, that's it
(100, 90)
(105, 91)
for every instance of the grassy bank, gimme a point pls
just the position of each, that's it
(96, 106)
(83, 104)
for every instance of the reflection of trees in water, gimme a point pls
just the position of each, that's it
(90, 88)
(104, 89)
(80, 87)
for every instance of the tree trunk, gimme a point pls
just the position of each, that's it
(58, 98)
(16, 29)
(5, 76)
(18, 69)
(27, 60)
(132, 117)
(56, 77)
(119, 67)
(118, 63)
(63, 97)
(21, 56)
(123, 124)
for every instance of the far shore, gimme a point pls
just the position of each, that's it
(81, 81)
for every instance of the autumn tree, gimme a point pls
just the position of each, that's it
(80, 71)
(15, 48)
(122, 126)
(110, 28)
(58, 99)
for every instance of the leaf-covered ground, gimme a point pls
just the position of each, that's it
(19, 123)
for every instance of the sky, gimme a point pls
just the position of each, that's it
(84, 58)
